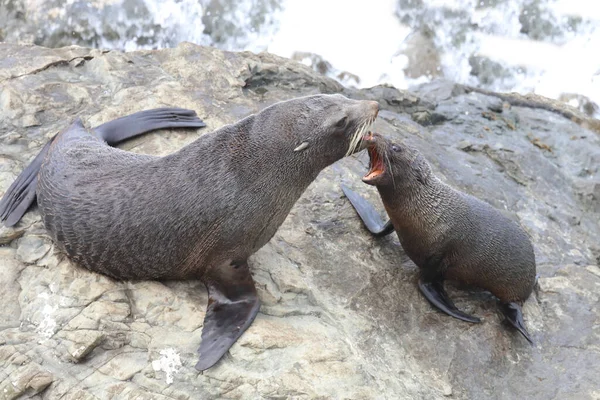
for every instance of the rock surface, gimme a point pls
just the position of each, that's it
(341, 316)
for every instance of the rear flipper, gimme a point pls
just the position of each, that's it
(435, 293)
(21, 194)
(368, 214)
(232, 306)
(118, 130)
(514, 315)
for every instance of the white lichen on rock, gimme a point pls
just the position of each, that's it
(169, 363)
(47, 326)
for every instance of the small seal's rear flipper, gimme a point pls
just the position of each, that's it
(435, 293)
(121, 129)
(514, 315)
(232, 306)
(21, 194)
(368, 214)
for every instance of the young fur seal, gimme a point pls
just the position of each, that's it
(200, 212)
(448, 234)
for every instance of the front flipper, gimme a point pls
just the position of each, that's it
(514, 315)
(368, 214)
(435, 293)
(232, 306)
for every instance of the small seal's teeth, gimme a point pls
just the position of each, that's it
(302, 146)
(376, 165)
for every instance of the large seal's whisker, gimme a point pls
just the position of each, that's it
(355, 140)
(360, 135)
(357, 137)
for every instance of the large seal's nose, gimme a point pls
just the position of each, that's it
(375, 107)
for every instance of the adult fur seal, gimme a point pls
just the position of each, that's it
(200, 212)
(448, 234)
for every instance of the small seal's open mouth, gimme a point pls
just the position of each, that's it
(376, 164)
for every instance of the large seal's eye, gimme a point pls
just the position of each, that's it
(342, 123)
(396, 148)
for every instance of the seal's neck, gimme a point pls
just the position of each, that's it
(408, 198)
(254, 154)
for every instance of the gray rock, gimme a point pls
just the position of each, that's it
(489, 71)
(341, 316)
(7, 234)
(32, 248)
(25, 380)
(82, 342)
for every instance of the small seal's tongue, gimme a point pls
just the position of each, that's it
(376, 164)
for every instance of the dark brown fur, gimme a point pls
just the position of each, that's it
(475, 243)
(218, 199)
(448, 234)
(200, 212)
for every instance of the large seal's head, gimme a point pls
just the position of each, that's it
(318, 129)
(394, 164)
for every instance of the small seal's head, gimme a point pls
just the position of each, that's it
(320, 129)
(394, 164)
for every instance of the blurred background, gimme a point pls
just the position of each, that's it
(550, 47)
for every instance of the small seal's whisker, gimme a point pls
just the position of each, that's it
(390, 172)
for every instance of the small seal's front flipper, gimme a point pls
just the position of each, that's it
(21, 194)
(232, 306)
(514, 315)
(120, 129)
(368, 214)
(435, 293)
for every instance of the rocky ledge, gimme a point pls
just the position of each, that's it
(341, 316)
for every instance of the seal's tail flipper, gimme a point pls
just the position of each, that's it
(435, 293)
(368, 214)
(124, 128)
(21, 194)
(514, 315)
(232, 306)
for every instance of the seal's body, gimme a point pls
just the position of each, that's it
(200, 212)
(448, 234)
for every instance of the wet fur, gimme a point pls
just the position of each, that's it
(200, 212)
(447, 233)
(218, 199)
(473, 241)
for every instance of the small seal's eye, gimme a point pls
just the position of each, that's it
(342, 122)
(396, 148)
